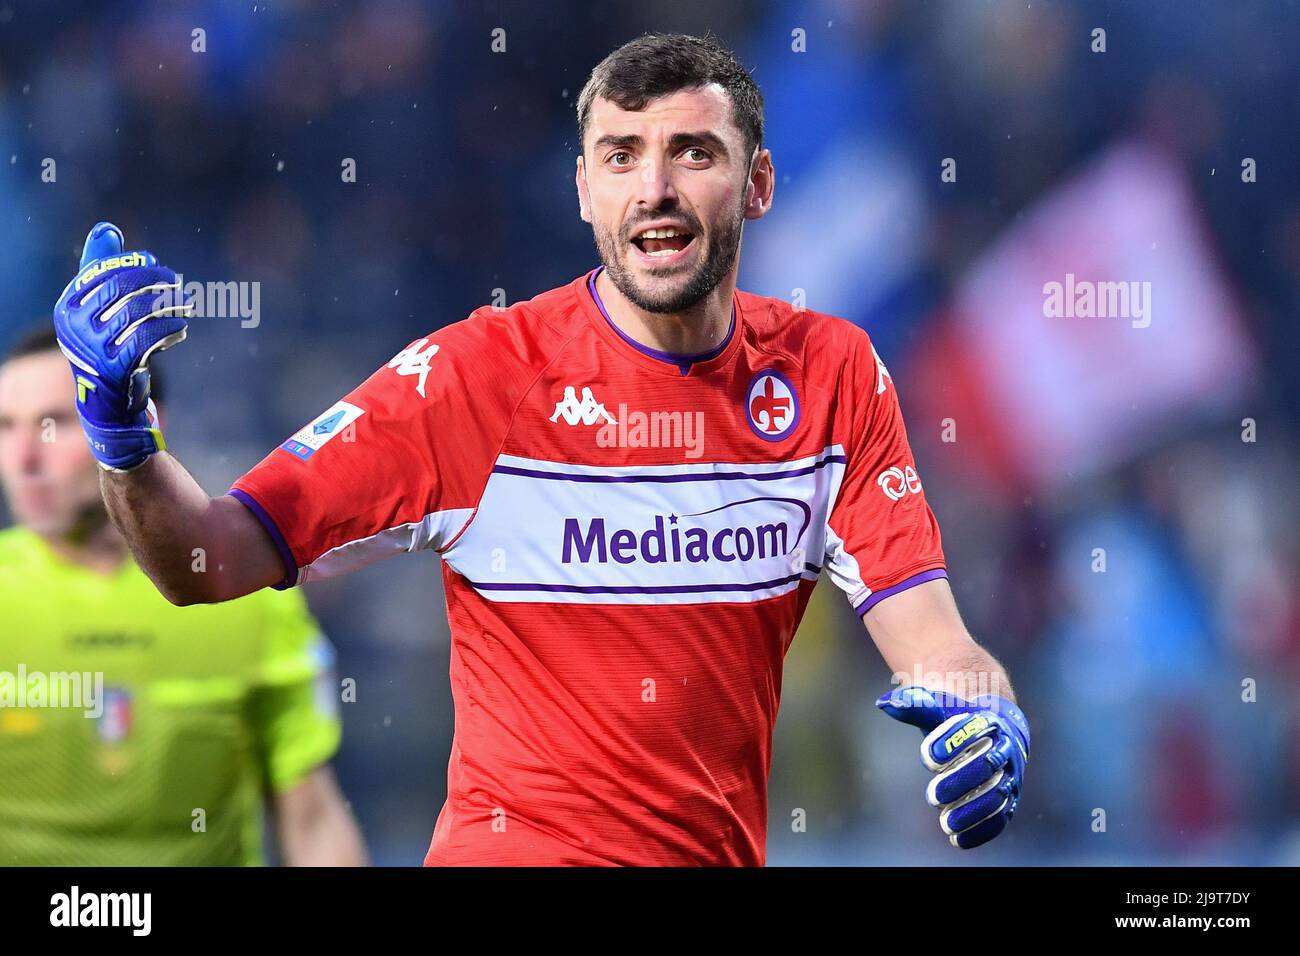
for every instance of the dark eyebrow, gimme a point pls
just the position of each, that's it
(676, 142)
(610, 139)
(705, 138)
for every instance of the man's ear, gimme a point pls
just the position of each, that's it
(584, 196)
(762, 184)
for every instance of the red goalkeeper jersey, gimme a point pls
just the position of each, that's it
(629, 539)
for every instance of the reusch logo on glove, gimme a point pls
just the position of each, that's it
(973, 726)
(113, 262)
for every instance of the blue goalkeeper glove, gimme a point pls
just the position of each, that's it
(118, 311)
(977, 750)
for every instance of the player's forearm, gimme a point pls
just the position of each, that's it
(315, 826)
(332, 839)
(959, 667)
(960, 697)
(922, 638)
(185, 541)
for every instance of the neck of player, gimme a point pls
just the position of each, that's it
(698, 330)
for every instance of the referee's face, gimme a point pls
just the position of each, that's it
(49, 477)
(680, 165)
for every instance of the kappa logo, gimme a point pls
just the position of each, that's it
(882, 373)
(896, 482)
(588, 411)
(414, 360)
(771, 406)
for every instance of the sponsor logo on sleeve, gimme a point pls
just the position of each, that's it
(333, 421)
(896, 482)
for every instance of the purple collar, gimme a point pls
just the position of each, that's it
(683, 362)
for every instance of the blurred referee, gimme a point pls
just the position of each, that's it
(206, 713)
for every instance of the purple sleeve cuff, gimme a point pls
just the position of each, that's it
(290, 566)
(875, 597)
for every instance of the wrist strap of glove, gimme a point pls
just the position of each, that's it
(121, 448)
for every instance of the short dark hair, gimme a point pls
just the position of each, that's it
(37, 339)
(657, 64)
(42, 338)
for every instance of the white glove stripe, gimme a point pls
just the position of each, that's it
(76, 361)
(111, 312)
(184, 313)
(978, 750)
(166, 342)
(974, 795)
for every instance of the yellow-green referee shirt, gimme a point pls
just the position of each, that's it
(137, 733)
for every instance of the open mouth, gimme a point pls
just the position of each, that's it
(664, 244)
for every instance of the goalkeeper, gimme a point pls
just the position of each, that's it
(454, 446)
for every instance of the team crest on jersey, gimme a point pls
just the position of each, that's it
(114, 724)
(771, 406)
(586, 411)
(333, 421)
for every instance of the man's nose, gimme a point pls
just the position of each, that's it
(29, 450)
(655, 186)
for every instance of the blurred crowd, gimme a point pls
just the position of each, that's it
(1119, 509)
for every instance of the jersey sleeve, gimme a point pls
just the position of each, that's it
(395, 466)
(295, 701)
(882, 536)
